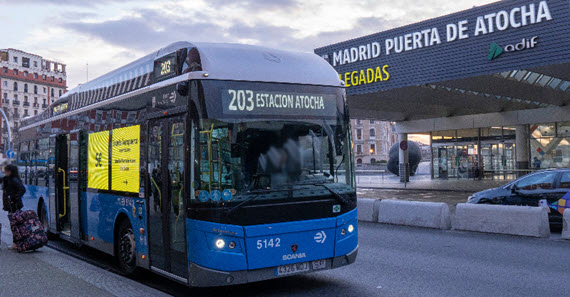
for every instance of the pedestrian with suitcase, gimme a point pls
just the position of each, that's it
(12, 191)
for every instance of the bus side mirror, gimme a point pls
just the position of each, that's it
(182, 88)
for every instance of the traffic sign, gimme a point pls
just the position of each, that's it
(10, 154)
(404, 145)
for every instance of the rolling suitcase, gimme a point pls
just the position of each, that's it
(28, 231)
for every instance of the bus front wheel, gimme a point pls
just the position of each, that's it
(125, 248)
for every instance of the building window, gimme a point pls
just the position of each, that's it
(36, 65)
(372, 122)
(372, 149)
(359, 149)
(44, 101)
(358, 134)
(45, 90)
(372, 161)
(52, 94)
(25, 88)
(15, 59)
(35, 75)
(52, 78)
(372, 133)
(5, 83)
(35, 99)
(25, 73)
(35, 112)
(60, 80)
(15, 97)
(26, 62)
(15, 87)
(36, 90)
(359, 161)
(359, 122)
(59, 93)
(44, 77)
(5, 96)
(15, 71)
(26, 99)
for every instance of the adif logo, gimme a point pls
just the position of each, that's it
(496, 50)
(294, 256)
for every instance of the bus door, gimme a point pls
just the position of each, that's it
(62, 150)
(51, 185)
(165, 189)
(72, 199)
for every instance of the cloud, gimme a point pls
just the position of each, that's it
(257, 4)
(149, 30)
(116, 32)
(145, 32)
(77, 3)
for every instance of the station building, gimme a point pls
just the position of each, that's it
(490, 85)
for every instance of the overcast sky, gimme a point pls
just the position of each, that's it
(108, 34)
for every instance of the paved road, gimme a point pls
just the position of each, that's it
(392, 261)
(405, 261)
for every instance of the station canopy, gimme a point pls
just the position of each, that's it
(505, 56)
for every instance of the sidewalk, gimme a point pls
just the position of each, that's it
(47, 272)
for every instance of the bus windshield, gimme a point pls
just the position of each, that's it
(286, 157)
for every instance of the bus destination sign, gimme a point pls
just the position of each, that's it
(250, 102)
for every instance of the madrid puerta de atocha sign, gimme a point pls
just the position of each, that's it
(506, 35)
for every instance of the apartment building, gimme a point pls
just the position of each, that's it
(372, 140)
(28, 85)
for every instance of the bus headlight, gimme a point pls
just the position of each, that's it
(350, 228)
(220, 243)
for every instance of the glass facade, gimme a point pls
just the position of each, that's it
(550, 146)
(456, 153)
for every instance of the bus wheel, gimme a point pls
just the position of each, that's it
(126, 248)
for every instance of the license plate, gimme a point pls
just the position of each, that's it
(293, 268)
(319, 264)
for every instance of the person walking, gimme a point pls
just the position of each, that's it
(12, 191)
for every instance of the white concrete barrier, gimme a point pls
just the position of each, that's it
(368, 209)
(503, 219)
(414, 213)
(566, 225)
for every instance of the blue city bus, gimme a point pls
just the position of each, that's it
(210, 164)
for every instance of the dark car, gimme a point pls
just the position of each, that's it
(549, 188)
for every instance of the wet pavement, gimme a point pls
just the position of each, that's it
(425, 183)
(449, 197)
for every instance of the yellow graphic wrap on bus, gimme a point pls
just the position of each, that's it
(98, 161)
(126, 159)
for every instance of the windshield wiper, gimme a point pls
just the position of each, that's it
(256, 193)
(340, 198)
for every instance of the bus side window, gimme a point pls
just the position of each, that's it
(34, 164)
(33, 167)
(42, 165)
